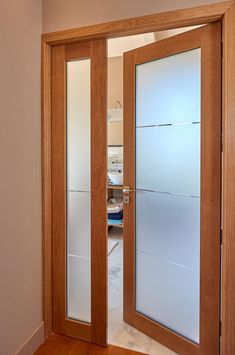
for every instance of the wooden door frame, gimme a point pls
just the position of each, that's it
(224, 12)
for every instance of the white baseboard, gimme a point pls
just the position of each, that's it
(33, 343)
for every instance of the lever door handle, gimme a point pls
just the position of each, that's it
(127, 190)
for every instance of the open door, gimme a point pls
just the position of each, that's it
(172, 178)
(79, 224)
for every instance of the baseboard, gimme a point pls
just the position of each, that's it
(33, 343)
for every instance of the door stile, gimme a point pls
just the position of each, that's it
(96, 330)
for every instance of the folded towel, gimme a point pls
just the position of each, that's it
(114, 221)
(117, 216)
(115, 209)
(115, 205)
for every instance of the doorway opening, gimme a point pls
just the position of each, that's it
(119, 332)
(50, 51)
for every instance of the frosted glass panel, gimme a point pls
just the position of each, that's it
(78, 191)
(168, 89)
(168, 192)
(169, 303)
(78, 92)
(79, 222)
(168, 251)
(175, 217)
(168, 159)
(79, 288)
(78, 159)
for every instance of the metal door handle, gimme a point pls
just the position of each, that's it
(127, 190)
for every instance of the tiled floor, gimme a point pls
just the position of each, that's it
(119, 332)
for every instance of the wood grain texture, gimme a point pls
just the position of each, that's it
(61, 345)
(208, 38)
(210, 189)
(156, 22)
(46, 185)
(99, 227)
(228, 249)
(96, 331)
(129, 181)
(80, 50)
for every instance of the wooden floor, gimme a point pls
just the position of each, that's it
(61, 345)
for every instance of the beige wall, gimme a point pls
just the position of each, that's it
(115, 133)
(115, 81)
(115, 93)
(20, 187)
(62, 14)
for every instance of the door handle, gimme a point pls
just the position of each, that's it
(127, 190)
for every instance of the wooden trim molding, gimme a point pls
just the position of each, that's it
(156, 22)
(33, 342)
(46, 185)
(228, 203)
(162, 21)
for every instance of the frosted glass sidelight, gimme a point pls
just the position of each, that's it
(78, 158)
(79, 288)
(78, 92)
(168, 159)
(168, 89)
(168, 192)
(78, 191)
(79, 222)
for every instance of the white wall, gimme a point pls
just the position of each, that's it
(20, 176)
(63, 14)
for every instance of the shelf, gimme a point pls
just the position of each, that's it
(115, 187)
(116, 225)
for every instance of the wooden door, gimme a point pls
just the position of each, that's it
(172, 176)
(79, 190)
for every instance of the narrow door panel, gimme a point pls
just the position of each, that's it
(79, 190)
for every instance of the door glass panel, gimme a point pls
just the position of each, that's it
(168, 151)
(168, 192)
(78, 191)
(169, 90)
(167, 268)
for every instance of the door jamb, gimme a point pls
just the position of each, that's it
(224, 12)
